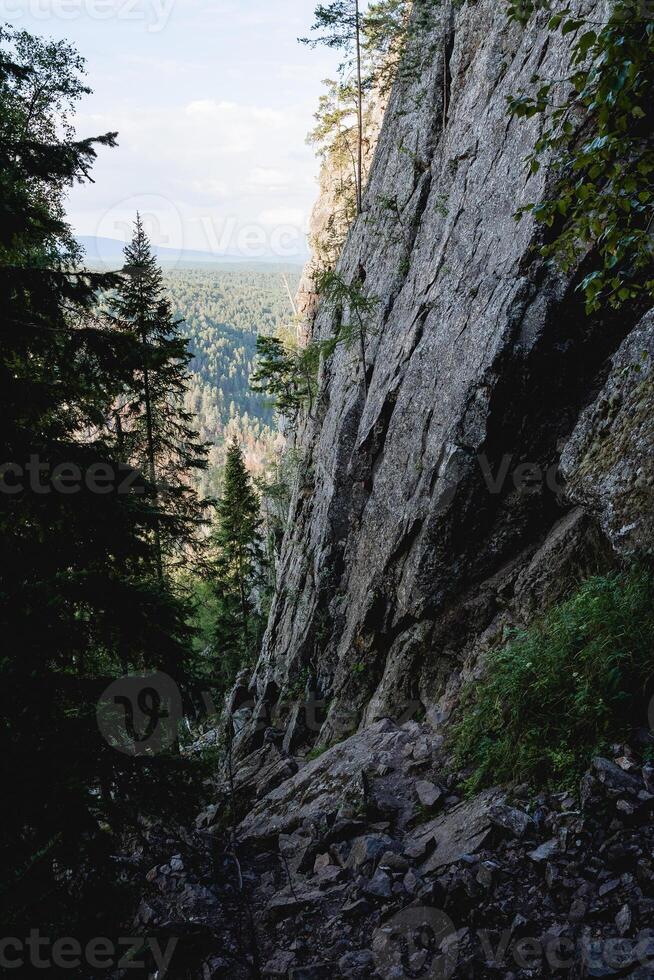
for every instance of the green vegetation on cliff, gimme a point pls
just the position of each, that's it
(564, 689)
(601, 207)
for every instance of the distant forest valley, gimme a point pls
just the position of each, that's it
(224, 309)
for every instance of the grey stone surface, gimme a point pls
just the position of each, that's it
(461, 831)
(609, 461)
(427, 509)
(336, 783)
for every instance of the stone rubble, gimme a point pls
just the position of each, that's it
(525, 883)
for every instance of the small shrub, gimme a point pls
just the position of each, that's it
(564, 689)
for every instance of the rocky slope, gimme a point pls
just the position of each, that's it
(367, 863)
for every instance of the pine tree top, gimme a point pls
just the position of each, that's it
(141, 263)
(238, 510)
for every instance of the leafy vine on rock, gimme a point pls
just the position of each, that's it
(600, 133)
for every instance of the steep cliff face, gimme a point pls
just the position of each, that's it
(500, 450)
(430, 509)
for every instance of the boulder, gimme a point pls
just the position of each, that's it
(545, 851)
(279, 964)
(332, 784)
(461, 831)
(515, 822)
(366, 850)
(379, 887)
(614, 780)
(428, 793)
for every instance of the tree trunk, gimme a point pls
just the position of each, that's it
(359, 109)
(244, 608)
(152, 470)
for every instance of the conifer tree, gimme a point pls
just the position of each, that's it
(238, 566)
(159, 432)
(340, 26)
(75, 534)
(288, 374)
(391, 28)
(379, 41)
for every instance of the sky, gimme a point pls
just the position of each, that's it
(212, 100)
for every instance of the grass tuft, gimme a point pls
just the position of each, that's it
(563, 690)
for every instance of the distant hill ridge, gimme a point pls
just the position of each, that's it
(110, 250)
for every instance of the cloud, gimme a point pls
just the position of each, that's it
(211, 111)
(210, 187)
(204, 130)
(283, 216)
(296, 73)
(271, 179)
(218, 163)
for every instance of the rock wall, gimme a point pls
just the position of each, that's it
(500, 451)
(430, 509)
(609, 461)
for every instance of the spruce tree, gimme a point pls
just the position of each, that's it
(76, 604)
(158, 432)
(238, 567)
(287, 374)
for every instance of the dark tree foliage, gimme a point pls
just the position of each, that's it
(77, 601)
(238, 569)
(287, 376)
(157, 431)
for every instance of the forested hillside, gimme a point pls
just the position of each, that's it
(224, 310)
